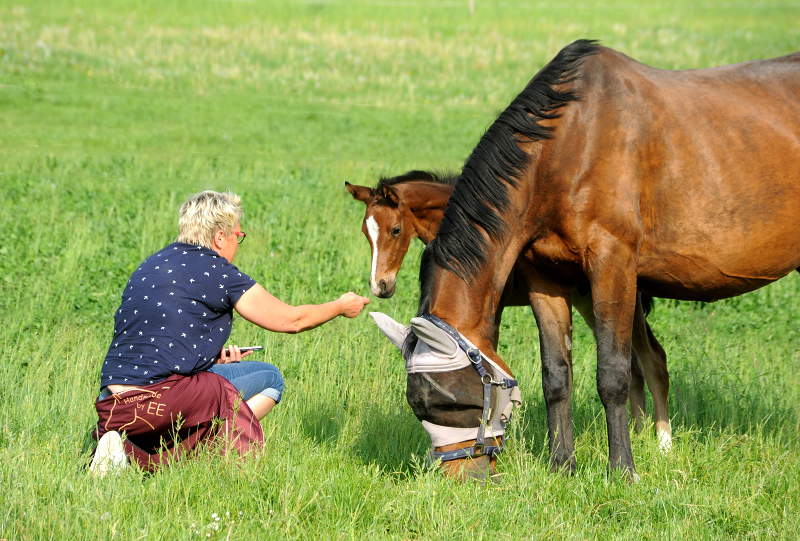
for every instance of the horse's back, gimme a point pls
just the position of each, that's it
(763, 86)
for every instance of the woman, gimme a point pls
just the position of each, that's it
(167, 373)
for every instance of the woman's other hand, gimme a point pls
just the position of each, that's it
(232, 354)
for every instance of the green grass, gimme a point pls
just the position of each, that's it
(111, 113)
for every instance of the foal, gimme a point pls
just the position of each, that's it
(411, 205)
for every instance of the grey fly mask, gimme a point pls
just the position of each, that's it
(441, 348)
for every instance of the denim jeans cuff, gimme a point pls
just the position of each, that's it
(274, 394)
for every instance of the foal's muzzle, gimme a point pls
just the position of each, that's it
(386, 290)
(383, 289)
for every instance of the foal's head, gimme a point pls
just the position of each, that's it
(387, 226)
(389, 223)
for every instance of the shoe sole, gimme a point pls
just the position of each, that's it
(109, 456)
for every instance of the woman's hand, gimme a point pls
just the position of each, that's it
(352, 304)
(232, 354)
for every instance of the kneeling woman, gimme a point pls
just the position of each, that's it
(168, 376)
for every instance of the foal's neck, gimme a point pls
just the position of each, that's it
(427, 202)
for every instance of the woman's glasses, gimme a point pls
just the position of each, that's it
(241, 235)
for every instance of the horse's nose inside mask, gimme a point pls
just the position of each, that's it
(441, 349)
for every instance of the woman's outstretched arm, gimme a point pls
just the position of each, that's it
(260, 307)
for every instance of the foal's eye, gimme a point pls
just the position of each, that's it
(396, 231)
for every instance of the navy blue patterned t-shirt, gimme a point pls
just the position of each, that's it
(175, 316)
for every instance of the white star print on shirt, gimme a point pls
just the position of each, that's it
(178, 314)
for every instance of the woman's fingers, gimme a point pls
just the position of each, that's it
(231, 354)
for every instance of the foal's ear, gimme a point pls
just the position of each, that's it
(359, 193)
(433, 336)
(391, 195)
(394, 331)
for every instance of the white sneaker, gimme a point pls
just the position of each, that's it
(109, 455)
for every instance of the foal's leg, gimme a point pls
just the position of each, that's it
(638, 405)
(653, 362)
(551, 307)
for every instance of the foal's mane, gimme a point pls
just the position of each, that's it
(448, 179)
(481, 193)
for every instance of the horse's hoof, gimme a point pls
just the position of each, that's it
(622, 474)
(664, 443)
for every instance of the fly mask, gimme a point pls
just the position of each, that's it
(441, 349)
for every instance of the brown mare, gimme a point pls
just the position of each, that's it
(411, 205)
(627, 179)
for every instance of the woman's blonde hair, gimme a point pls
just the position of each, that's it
(205, 213)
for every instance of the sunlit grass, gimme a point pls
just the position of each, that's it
(111, 114)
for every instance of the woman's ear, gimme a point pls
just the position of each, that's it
(219, 238)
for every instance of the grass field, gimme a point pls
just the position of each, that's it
(111, 113)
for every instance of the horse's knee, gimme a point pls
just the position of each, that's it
(613, 383)
(556, 381)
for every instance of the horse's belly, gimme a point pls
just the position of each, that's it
(727, 235)
(703, 278)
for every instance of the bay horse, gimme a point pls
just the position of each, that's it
(411, 205)
(607, 173)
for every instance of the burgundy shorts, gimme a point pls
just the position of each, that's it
(168, 419)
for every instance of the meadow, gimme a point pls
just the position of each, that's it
(111, 113)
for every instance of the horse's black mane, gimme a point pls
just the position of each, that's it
(481, 194)
(418, 176)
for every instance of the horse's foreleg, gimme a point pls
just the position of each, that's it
(653, 362)
(636, 397)
(613, 284)
(638, 405)
(551, 307)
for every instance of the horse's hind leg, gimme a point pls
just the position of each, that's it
(653, 363)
